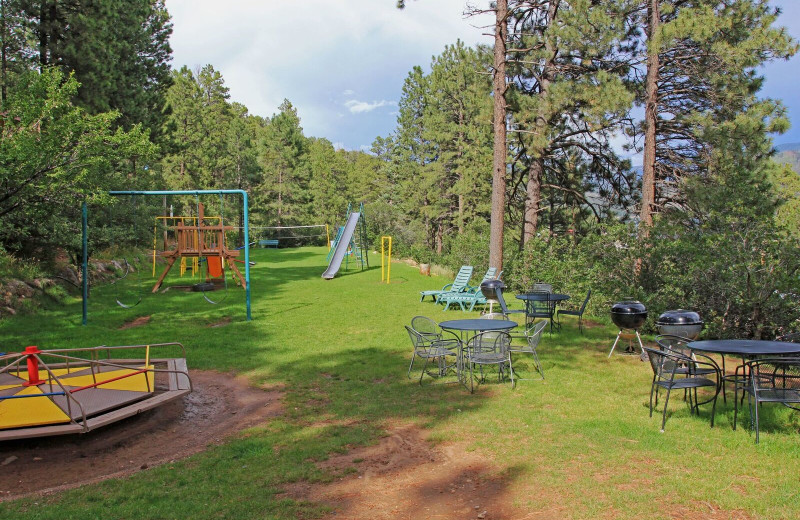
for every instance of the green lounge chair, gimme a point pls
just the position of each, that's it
(459, 284)
(471, 296)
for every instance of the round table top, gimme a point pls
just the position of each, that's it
(553, 297)
(746, 347)
(478, 324)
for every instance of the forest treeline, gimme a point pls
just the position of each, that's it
(90, 103)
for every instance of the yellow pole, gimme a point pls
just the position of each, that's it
(328, 234)
(386, 240)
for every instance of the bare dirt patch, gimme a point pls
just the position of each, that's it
(221, 323)
(406, 476)
(219, 406)
(138, 322)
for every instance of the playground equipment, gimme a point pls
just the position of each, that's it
(207, 246)
(386, 243)
(56, 392)
(201, 240)
(170, 223)
(345, 244)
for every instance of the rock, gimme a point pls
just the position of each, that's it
(9, 460)
(19, 288)
(70, 275)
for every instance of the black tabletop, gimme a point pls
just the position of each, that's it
(746, 347)
(553, 297)
(478, 325)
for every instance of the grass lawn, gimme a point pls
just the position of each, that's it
(580, 443)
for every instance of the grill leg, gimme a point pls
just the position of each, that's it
(615, 343)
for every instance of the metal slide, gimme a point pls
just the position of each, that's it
(341, 247)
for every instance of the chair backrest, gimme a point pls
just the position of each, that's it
(542, 307)
(586, 301)
(417, 339)
(501, 300)
(534, 334)
(542, 287)
(674, 343)
(490, 274)
(426, 326)
(665, 363)
(493, 316)
(462, 278)
(490, 341)
(777, 378)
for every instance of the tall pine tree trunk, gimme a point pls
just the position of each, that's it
(499, 162)
(536, 168)
(533, 199)
(650, 117)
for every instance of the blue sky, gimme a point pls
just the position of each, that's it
(342, 63)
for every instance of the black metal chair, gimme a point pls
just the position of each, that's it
(487, 349)
(430, 344)
(771, 380)
(666, 365)
(541, 307)
(578, 313)
(542, 287)
(532, 335)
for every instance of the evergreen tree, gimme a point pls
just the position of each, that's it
(283, 192)
(702, 59)
(118, 50)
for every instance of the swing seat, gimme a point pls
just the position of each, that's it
(214, 266)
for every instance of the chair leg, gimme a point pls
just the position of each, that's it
(413, 356)
(538, 364)
(422, 374)
(756, 416)
(714, 409)
(652, 388)
(471, 381)
(664, 415)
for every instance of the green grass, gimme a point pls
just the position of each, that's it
(581, 439)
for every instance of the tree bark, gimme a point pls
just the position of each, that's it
(533, 199)
(650, 120)
(499, 162)
(536, 169)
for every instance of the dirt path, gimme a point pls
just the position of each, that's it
(219, 406)
(405, 476)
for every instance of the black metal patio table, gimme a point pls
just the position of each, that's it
(744, 349)
(556, 298)
(473, 325)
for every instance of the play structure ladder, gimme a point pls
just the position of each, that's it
(345, 243)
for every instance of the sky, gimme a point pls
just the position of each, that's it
(342, 63)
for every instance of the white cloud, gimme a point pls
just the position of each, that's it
(358, 107)
(318, 53)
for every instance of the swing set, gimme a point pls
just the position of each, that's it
(199, 238)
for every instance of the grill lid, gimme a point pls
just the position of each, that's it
(629, 307)
(679, 317)
(489, 288)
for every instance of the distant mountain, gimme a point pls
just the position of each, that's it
(788, 147)
(789, 154)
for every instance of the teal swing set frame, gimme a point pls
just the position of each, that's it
(196, 193)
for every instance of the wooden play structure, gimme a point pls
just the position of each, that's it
(200, 240)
